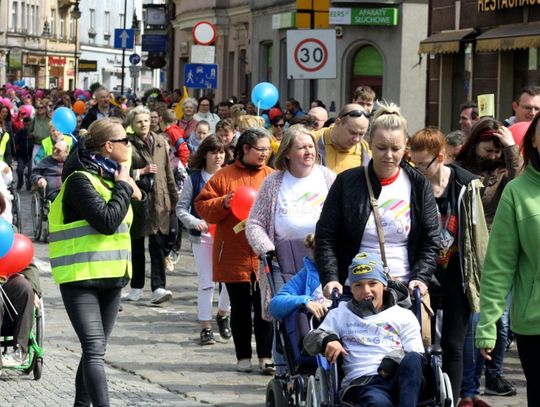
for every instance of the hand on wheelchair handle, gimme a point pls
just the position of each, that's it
(316, 309)
(421, 286)
(330, 287)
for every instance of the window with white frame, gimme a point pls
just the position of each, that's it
(28, 19)
(52, 24)
(23, 16)
(107, 24)
(14, 8)
(62, 27)
(93, 19)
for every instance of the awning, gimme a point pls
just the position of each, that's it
(445, 42)
(507, 37)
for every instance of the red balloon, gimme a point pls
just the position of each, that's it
(19, 256)
(518, 131)
(242, 201)
(212, 229)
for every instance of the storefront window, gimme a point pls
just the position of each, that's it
(367, 69)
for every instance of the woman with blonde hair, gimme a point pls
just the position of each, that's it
(406, 205)
(90, 250)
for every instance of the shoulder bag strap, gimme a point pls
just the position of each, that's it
(375, 205)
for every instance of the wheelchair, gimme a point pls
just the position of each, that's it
(34, 363)
(40, 214)
(323, 388)
(16, 207)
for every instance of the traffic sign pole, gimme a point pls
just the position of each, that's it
(124, 42)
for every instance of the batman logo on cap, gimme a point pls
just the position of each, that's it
(361, 256)
(362, 269)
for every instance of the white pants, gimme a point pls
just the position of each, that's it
(202, 252)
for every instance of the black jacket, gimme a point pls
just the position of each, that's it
(345, 214)
(90, 116)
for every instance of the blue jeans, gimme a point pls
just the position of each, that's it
(473, 362)
(92, 312)
(402, 390)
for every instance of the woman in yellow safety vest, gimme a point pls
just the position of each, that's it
(90, 247)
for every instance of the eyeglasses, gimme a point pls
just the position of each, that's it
(355, 113)
(262, 149)
(280, 125)
(41, 107)
(120, 140)
(422, 168)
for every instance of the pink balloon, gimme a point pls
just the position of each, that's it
(39, 93)
(78, 92)
(518, 131)
(87, 95)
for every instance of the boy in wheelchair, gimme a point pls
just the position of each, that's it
(47, 174)
(380, 341)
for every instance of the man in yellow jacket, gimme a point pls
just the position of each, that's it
(342, 145)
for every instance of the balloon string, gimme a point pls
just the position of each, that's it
(10, 303)
(258, 108)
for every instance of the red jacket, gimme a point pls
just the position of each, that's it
(182, 151)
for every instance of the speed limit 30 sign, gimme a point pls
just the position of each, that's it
(311, 54)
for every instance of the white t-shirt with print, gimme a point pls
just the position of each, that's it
(299, 204)
(368, 340)
(394, 207)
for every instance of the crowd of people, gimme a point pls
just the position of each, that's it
(453, 216)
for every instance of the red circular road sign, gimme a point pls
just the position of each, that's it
(204, 33)
(310, 55)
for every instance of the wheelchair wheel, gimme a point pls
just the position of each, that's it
(449, 399)
(317, 389)
(16, 211)
(37, 365)
(274, 394)
(37, 220)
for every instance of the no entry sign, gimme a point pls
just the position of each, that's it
(311, 54)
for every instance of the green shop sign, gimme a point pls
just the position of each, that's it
(386, 16)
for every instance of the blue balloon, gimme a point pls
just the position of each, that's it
(64, 120)
(264, 95)
(6, 237)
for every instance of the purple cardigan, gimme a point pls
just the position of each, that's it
(260, 224)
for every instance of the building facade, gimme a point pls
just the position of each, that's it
(478, 47)
(251, 47)
(37, 43)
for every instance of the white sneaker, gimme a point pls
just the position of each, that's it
(266, 366)
(160, 295)
(134, 295)
(14, 357)
(169, 264)
(243, 365)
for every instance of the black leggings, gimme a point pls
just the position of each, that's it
(92, 312)
(529, 355)
(455, 322)
(244, 297)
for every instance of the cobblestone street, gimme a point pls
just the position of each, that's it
(153, 358)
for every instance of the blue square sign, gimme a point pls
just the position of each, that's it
(124, 38)
(201, 76)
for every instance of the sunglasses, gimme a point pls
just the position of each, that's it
(280, 125)
(125, 141)
(355, 113)
(41, 107)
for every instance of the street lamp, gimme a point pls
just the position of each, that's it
(46, 34)
(75, 15)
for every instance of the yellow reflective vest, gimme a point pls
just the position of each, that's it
(78, 251)
(48, 145)
(4, 140)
